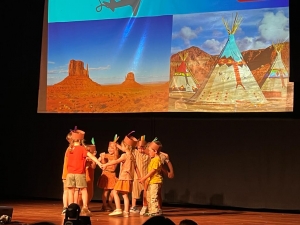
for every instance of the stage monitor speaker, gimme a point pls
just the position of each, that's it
(6, 213)
(82, 220)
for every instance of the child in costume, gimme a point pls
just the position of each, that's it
(142, 160)
(64, 175)
(154, 179)
(76, 167)
(167, 170)
(108, 178)
(89, 172)
(126, 176)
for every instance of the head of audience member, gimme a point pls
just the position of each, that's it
(187, 222)
(43, 223)
(158, 220)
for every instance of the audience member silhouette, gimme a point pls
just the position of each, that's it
(43, 223)
(159, 220)
(187, 222)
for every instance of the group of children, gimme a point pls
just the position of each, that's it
(142, 167)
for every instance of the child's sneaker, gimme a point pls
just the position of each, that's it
(134, 210)
(64, 211)
(116, 212)
(143, 210)
(147, 214)
(125, 214)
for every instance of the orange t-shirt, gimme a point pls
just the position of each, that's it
(76, 160)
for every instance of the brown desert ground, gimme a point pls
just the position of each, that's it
(109, 99)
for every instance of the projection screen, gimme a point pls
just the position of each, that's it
(127, 56)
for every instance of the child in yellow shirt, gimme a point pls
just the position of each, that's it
(154, 178)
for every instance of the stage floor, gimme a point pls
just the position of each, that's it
(29, 212)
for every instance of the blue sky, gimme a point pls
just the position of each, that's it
(112, 48)
(259, 29)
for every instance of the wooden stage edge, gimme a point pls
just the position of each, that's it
(40, 210)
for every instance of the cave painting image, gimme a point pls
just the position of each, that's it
(231, 62)
(109, 66)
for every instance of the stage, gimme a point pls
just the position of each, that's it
(33, 211)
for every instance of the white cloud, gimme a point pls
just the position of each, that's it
(187, 34)
(100, 68)
(274, 27)
(57, 71)
(253, 43)
(213, 46)
(50, 62)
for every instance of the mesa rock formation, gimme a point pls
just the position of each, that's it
(77, 79)
(76, 68)
(130, 81)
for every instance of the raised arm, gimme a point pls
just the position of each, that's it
(115, 161)
(92, 157)
(101, 157)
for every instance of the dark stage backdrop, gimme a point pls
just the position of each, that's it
(238, 160)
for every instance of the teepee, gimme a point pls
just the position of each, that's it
(275, 81)
(230, 80)
(183, 80)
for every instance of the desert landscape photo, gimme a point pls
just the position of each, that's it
(77, 93)
(229, 63)
(200, 64)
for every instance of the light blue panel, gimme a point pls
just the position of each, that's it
(81, 10)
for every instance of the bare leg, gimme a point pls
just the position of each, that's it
(110, 199)
(145, 202)
(117, 200)
(71, 195)
(77, 196)
(133, 202)
(65, 195)
(126, 202)
(104, 199)
(84, 195)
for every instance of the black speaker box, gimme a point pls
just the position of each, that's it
(83, 220)
(6, 210)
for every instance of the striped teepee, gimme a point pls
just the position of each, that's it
(183, 80)
(231, 80)
(274, 83)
